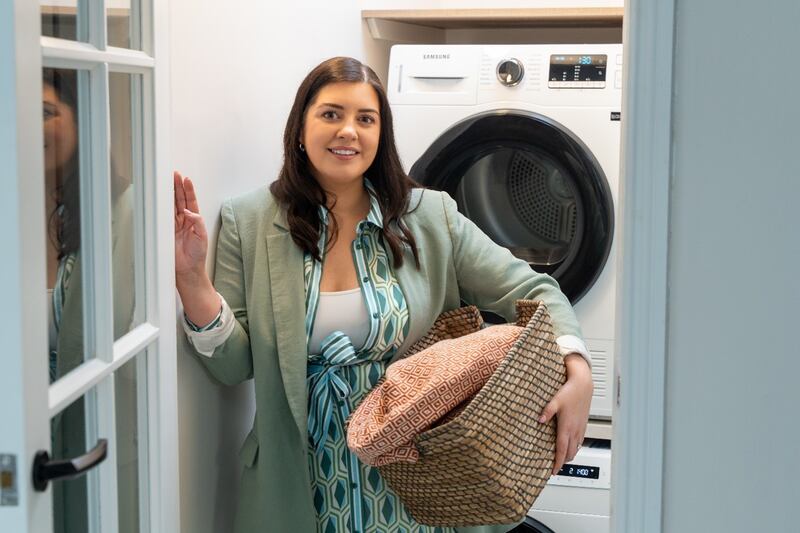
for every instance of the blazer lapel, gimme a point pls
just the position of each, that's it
(288, 306)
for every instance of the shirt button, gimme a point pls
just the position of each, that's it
(358, 246)
(365, 279)
(353, 486)
(374, 315)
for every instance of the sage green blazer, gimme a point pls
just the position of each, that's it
(259, 272)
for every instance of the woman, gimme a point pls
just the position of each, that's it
(323, 280)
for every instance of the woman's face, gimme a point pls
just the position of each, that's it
(341, 132)
(60, 131)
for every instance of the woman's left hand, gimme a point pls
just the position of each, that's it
(570, 406)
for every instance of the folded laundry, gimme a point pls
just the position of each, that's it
(420, 390)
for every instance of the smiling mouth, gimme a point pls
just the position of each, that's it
(342, 151)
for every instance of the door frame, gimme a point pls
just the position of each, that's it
(20, 128)
(638, 435)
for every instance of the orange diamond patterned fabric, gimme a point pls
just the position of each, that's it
(421, 390)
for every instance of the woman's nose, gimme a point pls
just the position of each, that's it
(348, 130)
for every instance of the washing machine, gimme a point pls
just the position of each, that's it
(526, 139)
(578, 498)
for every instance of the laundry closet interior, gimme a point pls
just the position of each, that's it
(522, 129)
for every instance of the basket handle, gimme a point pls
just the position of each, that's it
(526, 309)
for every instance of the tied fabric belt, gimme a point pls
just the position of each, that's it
(327, 385)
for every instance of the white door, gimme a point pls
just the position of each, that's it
(88, 435)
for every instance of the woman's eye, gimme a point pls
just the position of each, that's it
(368, 119)
(48, 113)
(329, 114)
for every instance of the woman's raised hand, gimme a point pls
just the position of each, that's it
(200, 301)
(191, 239)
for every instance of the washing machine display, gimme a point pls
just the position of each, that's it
(582, 503)
(534, 166)
(580, 471)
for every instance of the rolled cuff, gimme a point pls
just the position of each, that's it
(205, 341)
(571, 344)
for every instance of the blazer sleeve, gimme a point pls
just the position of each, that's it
(232, 361)
(493, 279)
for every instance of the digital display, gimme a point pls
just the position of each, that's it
(578, 70)
(581, 471)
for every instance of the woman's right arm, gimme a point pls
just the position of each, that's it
(228, 355)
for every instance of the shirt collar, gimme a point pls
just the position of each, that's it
(374, 216)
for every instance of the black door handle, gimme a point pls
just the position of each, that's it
(44, 469)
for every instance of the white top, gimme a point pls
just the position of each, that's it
(344, 311)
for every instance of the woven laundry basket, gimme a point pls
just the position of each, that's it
(488, 459)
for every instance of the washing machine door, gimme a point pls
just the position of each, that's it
(532, 186)
(531, 525)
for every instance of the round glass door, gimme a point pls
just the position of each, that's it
(533, 187)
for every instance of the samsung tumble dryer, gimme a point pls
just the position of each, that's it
(526, 139)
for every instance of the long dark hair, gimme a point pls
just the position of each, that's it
(64, 229)
(301, 195)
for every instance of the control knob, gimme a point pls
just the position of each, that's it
(510, 72)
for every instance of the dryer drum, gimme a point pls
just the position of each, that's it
(532, 186)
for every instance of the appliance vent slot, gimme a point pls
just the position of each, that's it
(599, 371)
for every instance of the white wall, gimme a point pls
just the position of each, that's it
(731, 432)
(235, 68)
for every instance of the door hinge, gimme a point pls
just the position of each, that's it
(9, 494)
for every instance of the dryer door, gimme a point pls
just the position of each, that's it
(532, 186)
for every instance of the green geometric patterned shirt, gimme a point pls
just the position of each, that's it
(350, 496)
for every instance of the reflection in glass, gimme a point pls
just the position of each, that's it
(68, 433)
(65, 19)
(62, 201)
(131, 460)
(126, 162)
(123, 18)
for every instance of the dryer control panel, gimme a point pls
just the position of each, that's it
(578, 71)
(536, 75)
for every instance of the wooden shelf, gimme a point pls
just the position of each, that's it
(502, 18)
(71, 11)
(422, 24)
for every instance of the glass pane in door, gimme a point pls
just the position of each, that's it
(130, 393)
(125, 97)
(72, 433)
(61, 89)
(124, 23)
(65, 19)
(78, 503)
